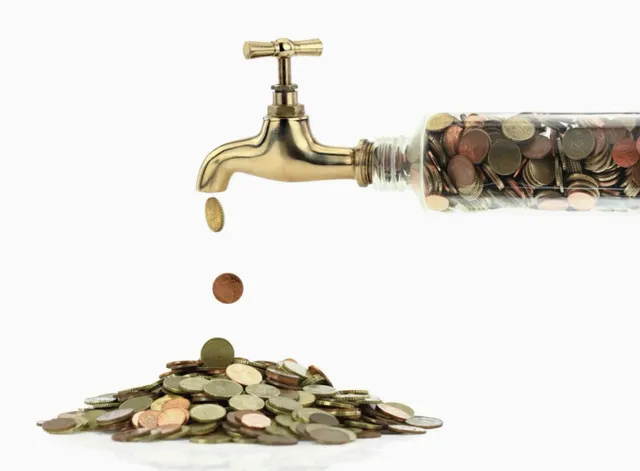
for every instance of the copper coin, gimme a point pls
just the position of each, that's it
(148, 419)
(451, 138)
(314, 370)
(177, 403)
(600, 137)
(136, 418)
(475, 145)
(461, 171)
(282, 376)
(581, 201)
(625, 153)
(228, 288)
(173, 417)
(128, 435)
(255, 420)
(393, 412)
(58, 425)
(538, 148)
(635, 174)
(280, 440)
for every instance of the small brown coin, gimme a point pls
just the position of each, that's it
(177, 403)
(148, 419)
(538, 148)
(600, 137)
(129, 435)
(276, 440)
(115, 416)
(625, 153)
(172, 417)
(325, 419)
(227, 288)
(330, 435)
(424, 422)
(214, 214)
(461, 171)
(58, 425)
(451, 139)
(369, 434)
(475, 145)
(578, 143)
(635, 174)
(401, 428)
(255, 420)
(394, 412)
(505, 157)
(244, 374)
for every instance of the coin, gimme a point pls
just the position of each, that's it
(325, 419)
(277, 440)
(314, 370)
(504, 157)
(58, 425)
(263, 391)
(369, 434)
(439, 122)
(176, 403)
(424, 422)
(437, 202)
(581, 201)
(194, 384)
(401, 428)
(635, 174)
(215, 438)
(138, 404)
(207, 412)
(578, 143)
(406, 409)
(451, 138)
(306, 398)
(625, 153)
(104, 399)
(320, 390)
(330, 435)
(256, 420)
(461, 171)
(518, 129)
(115, 416)
(296, 369)
(217, 353)
(214, 214)
(283, 404)
(538, 148)
(474, 145)
(394, 412)
(130, 435)
(244, 374)
(148, 419)
(246, 402)
(227, 288)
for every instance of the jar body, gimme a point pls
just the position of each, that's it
(545, 161)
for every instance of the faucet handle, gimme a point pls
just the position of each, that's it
(282, 48)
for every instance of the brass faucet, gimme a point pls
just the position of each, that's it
(284, 149)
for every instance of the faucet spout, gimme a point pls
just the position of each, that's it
(284, 150)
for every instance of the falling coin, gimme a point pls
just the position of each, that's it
(228, 288)
(214, 214)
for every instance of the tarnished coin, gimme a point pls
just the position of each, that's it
(172, 384)
(148, 419)
(177, 403)
(263, 391)
(518, 129)
(451, 139)
(130, 435)
(438, 122)
(255, 420)
(369, 434)
(115, 416)
(543, 170)
(173, 417)
(625, 153)
(246, 402)
(393, 411)
(194, 384)
(138, 404)
(296, 369)
(217, 353)
(505, 157)
(538, 148)
(324, 419)
(278, 440)
(244, 374)
(214, 214)
(330, 435)
(461, 171)
(207, 412)
(474, 145)
(401, 428)
(227, 288)
(578, 143)
(58, 425)
(215, 438)
(320, 390)
(424, 422)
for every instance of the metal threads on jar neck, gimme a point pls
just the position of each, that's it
(389, 164)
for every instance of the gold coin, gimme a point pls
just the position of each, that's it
(243, 374)
(439, 122)
(214, 214)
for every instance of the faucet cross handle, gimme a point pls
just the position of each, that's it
(283, 49)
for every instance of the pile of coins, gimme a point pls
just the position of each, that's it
(543, 161)
(222, 398)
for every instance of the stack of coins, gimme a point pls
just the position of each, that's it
(221, 398)
(543, 161)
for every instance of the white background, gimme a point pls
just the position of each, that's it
(518, 330)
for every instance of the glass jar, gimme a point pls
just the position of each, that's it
(545, 161)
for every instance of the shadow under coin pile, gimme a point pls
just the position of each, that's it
(222, 398)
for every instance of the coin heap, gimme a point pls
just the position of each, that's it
(550, 161)
(222, 398)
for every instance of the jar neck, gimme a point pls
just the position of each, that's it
(390, 165)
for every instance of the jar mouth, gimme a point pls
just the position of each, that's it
(391, 163)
